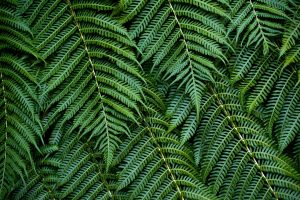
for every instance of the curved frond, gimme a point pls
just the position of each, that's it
(70, 172)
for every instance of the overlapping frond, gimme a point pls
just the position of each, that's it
(254, 74)
(92, 77)
(149, 99)
(16, 34)
(239, 160)
(156, 166)
(291, 42)
(20, 128)
(73, 171)
(178, 40)
(288, 114)
(40, 183)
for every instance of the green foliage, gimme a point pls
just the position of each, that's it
(257, 22)
(179, 40)
(20, 127)
(238, 159)
(150, 99)
(91, 78)
(156, 166)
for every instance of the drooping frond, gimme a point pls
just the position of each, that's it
(92, 77)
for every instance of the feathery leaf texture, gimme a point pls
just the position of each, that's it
(150, 99)
(91, 78)
(180, 39)
(20, 126)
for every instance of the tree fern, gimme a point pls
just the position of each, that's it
(290, 41)
(72, 172)
(286, 127)
(149, 99)
(158, 167)
(276, 101)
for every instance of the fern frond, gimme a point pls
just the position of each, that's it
(291, 40)
(238, 158)
(179, 107)
(254, 74)
(149, 99)
(92, 77)
(278, 96)
(242, 62)
(263, 87)
(20, 124)
(156, 166)
(290, 36)
(72, 172)
(178, 40)
(257, 22)
(293, 56)
(20, 127)
(286, 125)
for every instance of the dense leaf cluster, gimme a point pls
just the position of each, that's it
(150, 99)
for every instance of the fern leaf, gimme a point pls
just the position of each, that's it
(92, 76)
(254, 22)
(163, 26)
(156, 166)
(240, 161)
